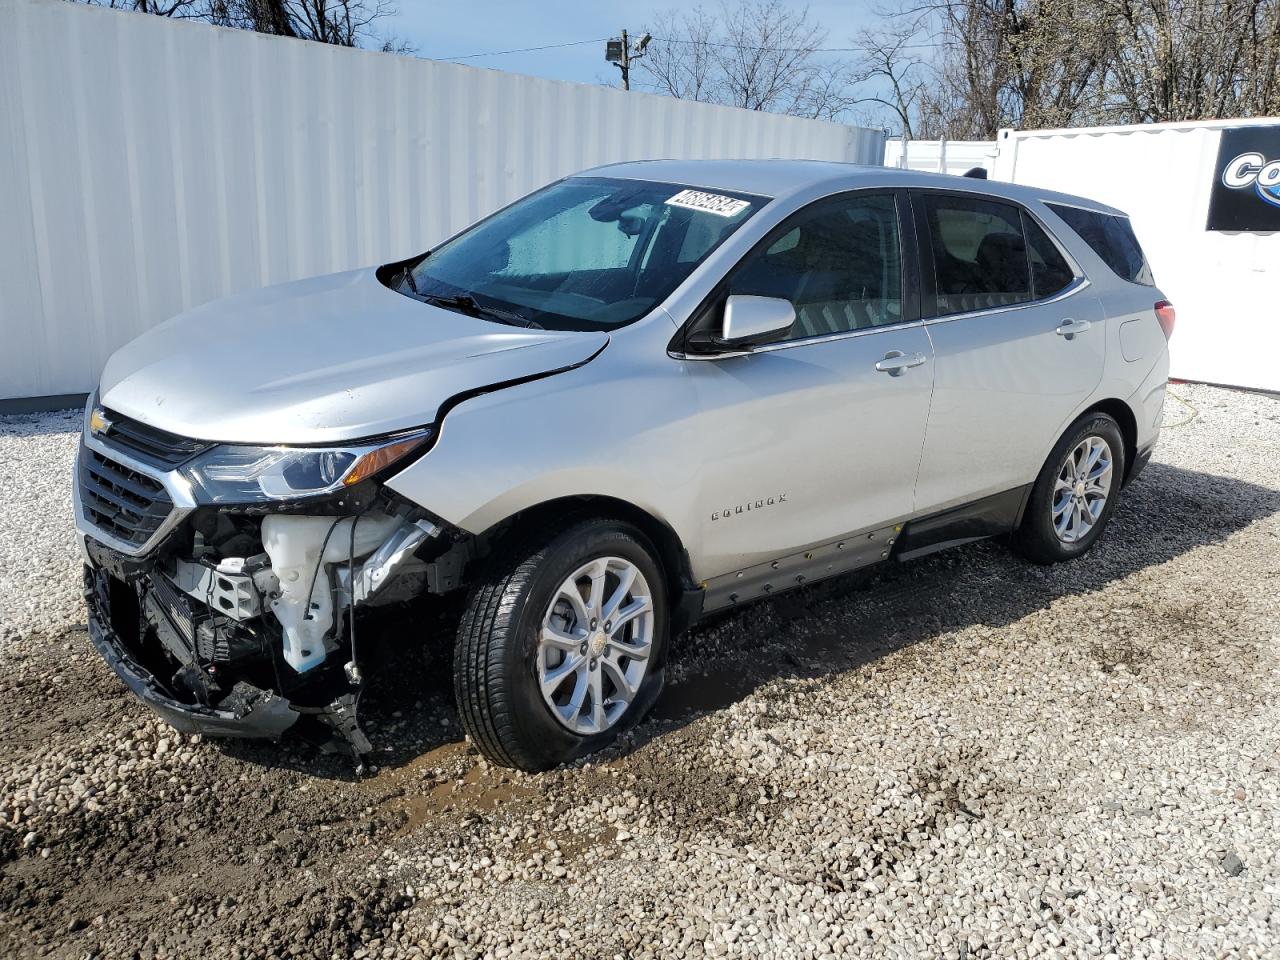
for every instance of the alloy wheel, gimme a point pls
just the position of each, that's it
(1081, 490)
(594, 644)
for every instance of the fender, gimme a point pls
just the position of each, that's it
(617, 426)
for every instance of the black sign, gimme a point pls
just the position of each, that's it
(1246, 185)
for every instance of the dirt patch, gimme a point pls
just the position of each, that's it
(123, 835)
(448, 783)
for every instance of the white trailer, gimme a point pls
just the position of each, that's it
(1224, 283)
(939, 156)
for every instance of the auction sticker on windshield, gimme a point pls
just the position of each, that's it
(715, 203)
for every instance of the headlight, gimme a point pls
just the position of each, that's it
(234, 474)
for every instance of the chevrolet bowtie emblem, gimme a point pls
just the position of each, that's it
(98, 422)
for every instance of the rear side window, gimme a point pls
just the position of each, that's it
(979, 253)
(1111, 238)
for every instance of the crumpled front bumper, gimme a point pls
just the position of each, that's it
(247, 711)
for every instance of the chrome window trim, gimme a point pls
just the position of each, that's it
(806, 342)
(1081, 282)
(891, 191)
(175, 485)
(1070, 290)
(1081, 278)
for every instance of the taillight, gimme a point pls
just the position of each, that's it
(1166, 315)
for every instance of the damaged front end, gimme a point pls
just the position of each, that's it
(223, 583)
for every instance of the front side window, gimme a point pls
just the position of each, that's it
(979, 253)
(839, 263)
(1112, 239)
(586, 253)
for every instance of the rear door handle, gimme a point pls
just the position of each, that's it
(896, 363)
(1069, 328)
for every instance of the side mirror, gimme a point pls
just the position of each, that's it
(746, 321)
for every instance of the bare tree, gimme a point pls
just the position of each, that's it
(1195, 59)
(179, 9)
(759, 54)
(344, 23)
(892, 71)
(1028, 63)
(1063, 63)
(683, 64)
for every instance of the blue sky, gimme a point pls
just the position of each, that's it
(450, 28)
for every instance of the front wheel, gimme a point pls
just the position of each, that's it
(1075, 493)
(562, 645)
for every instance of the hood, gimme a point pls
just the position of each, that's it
(333, 358)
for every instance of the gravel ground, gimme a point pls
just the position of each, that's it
(39, 563)
(963, 757)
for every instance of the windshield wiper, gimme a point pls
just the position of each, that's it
(465, 303)
(407, 277)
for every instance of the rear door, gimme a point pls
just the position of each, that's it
(819, 433)
(1018, 344)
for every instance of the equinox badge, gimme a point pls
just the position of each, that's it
(749, 506)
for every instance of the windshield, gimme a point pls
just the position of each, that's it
(581, 254)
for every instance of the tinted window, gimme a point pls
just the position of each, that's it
(839, 263)
(979, 254)
(1112, 239)
(1050, 271)
(587, 253)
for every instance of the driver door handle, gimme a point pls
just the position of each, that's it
(1069, 328)
(896, 363)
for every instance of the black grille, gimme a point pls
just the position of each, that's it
(149, 444)
(122, 502)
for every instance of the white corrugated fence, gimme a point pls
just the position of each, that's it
(148, 165)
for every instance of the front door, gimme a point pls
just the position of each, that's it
(819, 434)
(1018, 343)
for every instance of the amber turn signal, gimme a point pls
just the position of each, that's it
(377, 460)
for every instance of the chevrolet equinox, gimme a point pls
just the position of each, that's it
(642, 394)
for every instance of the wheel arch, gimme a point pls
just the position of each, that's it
(1123, 414)
(684, 592)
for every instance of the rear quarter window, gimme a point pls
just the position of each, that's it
(1050, 272)
(1112, 238)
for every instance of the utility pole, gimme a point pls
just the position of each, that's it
(625, 65)
(620, 53)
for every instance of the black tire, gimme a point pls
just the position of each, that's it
(1036, 539)
(495, 665)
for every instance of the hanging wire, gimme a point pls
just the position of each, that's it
(708, 43)
(503, 53)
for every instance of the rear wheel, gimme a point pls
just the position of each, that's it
(562, 645)
(1075, 493)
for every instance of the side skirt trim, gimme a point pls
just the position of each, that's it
(989, 517)
(786, 573)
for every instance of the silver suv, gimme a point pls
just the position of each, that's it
(642, 394)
